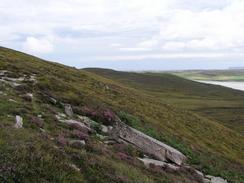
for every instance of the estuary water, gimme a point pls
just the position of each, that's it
(229, 84)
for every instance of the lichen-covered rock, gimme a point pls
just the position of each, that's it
(148, 144)
(18, 122)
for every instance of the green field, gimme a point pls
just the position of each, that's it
(212, 75)
(195, 118)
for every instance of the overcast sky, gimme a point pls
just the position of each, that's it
(127, 34)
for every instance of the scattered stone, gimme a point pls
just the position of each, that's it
(77, 143)
(209, 177)
(60, 116)
(206, 181)
(104, 129)
(42, 130)
(12, 100)
(74, 167)
(88, 121)
(147, 162)
(68, 110)
(199, 174)
(80, 124)
(53, 100)
(101, 137)
(148, 144)
(18, 122)
(28, 97)
(218, 180)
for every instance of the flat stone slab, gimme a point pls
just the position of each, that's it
(149, 145)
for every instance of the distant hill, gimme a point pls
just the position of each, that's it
(48, 97)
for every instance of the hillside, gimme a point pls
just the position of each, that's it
(214, 102)
(38, 90)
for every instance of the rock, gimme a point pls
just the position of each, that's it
(147, 162)
(199, 174)
(12, 100)
(101, 137)
(80, 124)
(74, 167)
(68, 110)
(106, 129)
(148, 144)
(37, 121)
(218, 180)
(209, 177)
(88, 121)
(28, 97)
(206, 181)
(77, 143)
(18, 122)
(53, 100)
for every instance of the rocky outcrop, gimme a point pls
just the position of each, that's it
(149, 145)
(18, 122)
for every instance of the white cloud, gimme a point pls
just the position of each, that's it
(125, 26)
(37, 45)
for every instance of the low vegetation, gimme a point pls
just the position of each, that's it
(158, 111)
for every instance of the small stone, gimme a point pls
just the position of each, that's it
(28, 97)
(218, 180)
(74, 167)
(12, 100)
(68, 110)
(77, 143)
(200, 174)
(19, 122)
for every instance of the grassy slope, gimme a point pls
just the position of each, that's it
(214, 102)
(209, 145)
(216, 75)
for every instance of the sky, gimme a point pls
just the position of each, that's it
(127, 34)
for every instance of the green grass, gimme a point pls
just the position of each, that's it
(214, 75)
